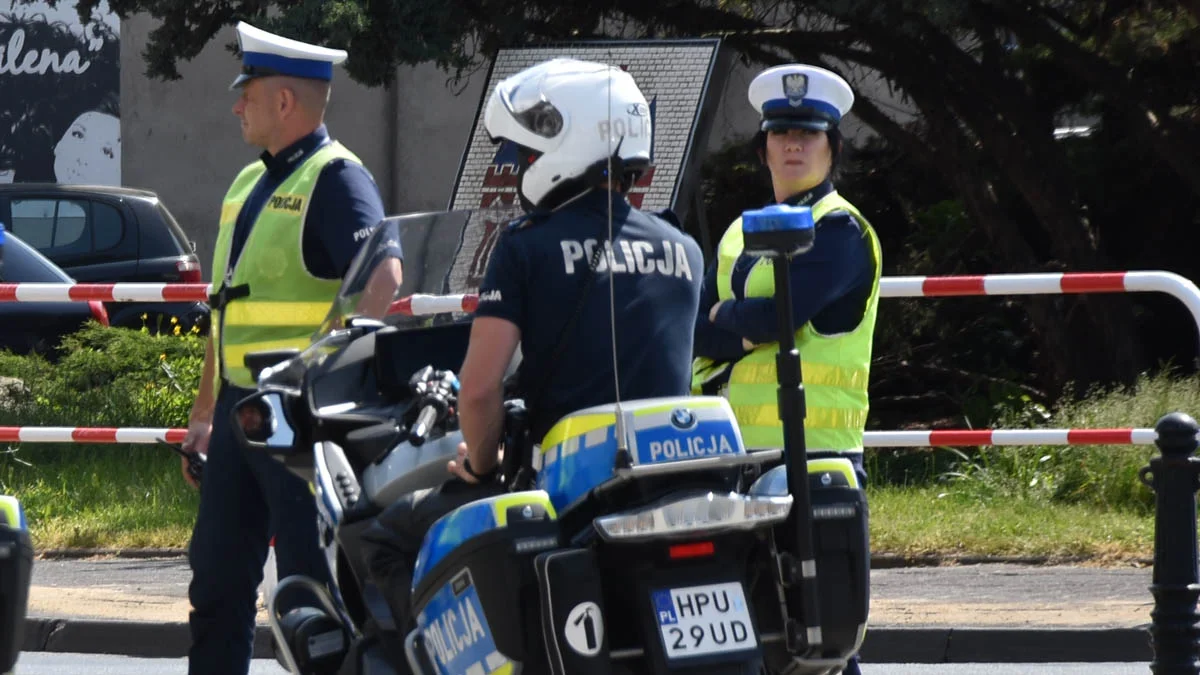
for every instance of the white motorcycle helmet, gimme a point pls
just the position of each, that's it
(567, 118)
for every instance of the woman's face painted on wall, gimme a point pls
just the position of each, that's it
(90, 151)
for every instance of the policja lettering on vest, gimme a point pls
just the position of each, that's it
(290, 203)
(636, 257)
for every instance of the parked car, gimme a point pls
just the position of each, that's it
(38, 326)
(104, 234)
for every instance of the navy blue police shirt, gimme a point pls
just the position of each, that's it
(534, 279)
(830, 287)
(345, 207)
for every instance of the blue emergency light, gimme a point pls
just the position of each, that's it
(778, 230)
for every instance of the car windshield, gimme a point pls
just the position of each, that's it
(22, 263)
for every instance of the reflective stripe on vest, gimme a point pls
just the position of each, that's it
(286, 302)
(835, 368)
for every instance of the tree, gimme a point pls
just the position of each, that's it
(991, 79)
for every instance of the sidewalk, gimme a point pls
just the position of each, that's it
(984, 612)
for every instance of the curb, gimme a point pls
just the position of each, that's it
(882, 645)
(141, 639)
(879, 561)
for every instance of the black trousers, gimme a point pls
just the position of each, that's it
(246, 497)
(391, 543)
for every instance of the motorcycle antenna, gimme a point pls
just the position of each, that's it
(619, 429)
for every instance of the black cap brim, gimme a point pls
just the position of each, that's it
(783, 123)
(241, 80)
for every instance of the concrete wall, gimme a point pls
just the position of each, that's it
(182, 140)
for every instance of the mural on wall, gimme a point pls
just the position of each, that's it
(60, 85)
(680, 81)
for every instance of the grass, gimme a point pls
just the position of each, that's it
(142, 503)
(114, 496)
(927, 521)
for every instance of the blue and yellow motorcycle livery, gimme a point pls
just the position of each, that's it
(16, 563)
(636, 537)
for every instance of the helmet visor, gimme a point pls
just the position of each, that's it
(524, 101)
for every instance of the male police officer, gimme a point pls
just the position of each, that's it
(290, 225)
(547, 288)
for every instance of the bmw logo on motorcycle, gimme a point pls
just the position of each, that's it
(682, 418)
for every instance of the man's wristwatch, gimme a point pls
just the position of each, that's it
(481, 477)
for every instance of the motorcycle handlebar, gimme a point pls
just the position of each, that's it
(424, 423)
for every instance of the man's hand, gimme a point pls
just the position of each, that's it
(455, 466)
(196, 441)
(712, 312)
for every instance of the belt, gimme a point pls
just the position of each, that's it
(218, 301)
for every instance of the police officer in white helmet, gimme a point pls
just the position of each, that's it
(583, 133)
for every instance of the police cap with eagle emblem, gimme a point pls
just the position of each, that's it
(800, 96)
(265, 54)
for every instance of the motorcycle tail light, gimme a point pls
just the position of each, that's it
(683, 515)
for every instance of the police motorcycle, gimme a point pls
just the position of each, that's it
(16, 563)
(636, 537)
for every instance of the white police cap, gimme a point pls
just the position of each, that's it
(265, 54)
(800, 96)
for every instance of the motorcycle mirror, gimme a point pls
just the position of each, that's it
(260, 421)
(364, 324)
(260, 361)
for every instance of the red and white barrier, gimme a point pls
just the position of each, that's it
(89, 435)
(420, 304)
(871, 439)
(417, 304)
(1179, 287)
(130, 292)
(985, 437)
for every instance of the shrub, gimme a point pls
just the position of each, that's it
(1104, 476)
(93, 495)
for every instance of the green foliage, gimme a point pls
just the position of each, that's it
(108, 377)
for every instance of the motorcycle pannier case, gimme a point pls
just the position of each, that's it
(475, 589)
(839, 512)
(16, 561)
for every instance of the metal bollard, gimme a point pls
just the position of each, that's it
(1175, 477)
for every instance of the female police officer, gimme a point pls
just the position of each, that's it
(835, 285)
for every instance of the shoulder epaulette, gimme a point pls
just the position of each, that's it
(840, 218)
(526, 220)
(669, 216)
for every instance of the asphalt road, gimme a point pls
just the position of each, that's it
(91, 664)
(969, 584)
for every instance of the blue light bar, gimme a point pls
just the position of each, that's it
(777, 218)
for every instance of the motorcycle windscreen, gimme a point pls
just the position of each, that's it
(443, 253)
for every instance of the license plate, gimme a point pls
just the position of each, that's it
(704, 620)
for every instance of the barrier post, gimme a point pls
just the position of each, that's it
(1175, 476)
